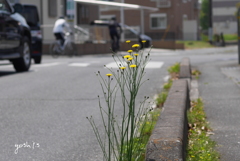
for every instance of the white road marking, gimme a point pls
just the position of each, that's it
(47, 64)
(152, 64)
(114, 65)
(79, 64)
(6, 66)
(166, 78)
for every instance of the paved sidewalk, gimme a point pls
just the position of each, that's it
(219, 86)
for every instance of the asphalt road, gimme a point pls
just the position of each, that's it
(46, 108)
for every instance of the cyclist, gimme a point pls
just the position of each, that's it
(59, 29)
(114, 28)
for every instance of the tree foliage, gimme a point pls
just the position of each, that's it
(204, 15)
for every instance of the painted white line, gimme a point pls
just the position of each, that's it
(114, 65)
(47, 64)
(6, 66)
(154, 65)
(166, 78)
(79, 64)
(148, 66)
(157, 54)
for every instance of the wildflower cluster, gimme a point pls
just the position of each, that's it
(122, 132)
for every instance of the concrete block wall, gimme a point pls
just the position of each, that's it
(169, 138)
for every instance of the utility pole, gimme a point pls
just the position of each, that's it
(210, 30)
(238, 19)
(122, 22)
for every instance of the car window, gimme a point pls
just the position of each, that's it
(4, 6)
(30, 13)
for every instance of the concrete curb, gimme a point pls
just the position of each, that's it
(169, 138)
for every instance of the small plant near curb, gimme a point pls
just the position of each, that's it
(196, 73)
(161, 99)
(168, 85)
(147, 129)
(174, 71)
(200, 146)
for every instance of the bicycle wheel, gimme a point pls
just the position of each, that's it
(70, 49)
(54, 50)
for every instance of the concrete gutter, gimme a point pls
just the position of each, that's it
(169, 138)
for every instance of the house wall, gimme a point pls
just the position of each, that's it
(174, 14)
(86, 13)
(48, 22)
(224, 19)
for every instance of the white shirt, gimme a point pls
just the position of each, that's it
(60, 26)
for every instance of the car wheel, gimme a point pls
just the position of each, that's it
(23, 63)
(37, 60)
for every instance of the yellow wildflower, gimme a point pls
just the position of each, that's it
(129, 51)
(135, 46)
(143, 41)
(133, 66)
(136, 54)
(122, 68)
(127, 56)
(129, 59)
(128, 41)
(108, 75)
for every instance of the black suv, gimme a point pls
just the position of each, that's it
(15, 38)
(30, 13)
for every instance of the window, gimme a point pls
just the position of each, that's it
(158, 21)
(52, 8)
(84, 11)
(4, 6)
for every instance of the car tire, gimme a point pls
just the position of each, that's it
(37, 60)
(23, 64)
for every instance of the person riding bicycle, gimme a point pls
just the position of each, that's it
(60, 28)
(114, 32)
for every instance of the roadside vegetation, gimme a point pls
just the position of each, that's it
(227, 37)
(203, 43)
(230, 37)
(195, 44)
(200, 145)
(146, 130)
(174, 73)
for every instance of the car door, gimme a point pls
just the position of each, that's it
(9, 27)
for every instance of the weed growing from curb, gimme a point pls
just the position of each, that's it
(124, 136)
(174, 71)
(196, 73)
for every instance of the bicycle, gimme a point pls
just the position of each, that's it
(69, 48)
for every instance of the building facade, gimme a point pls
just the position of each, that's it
(175, 19)
(223, 16)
